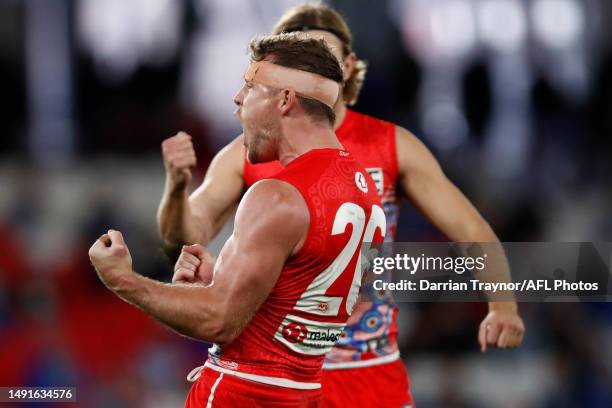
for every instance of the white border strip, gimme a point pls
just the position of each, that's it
(277, 381)
(362, 363)
(211, 397)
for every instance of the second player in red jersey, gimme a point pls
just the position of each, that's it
(367, 351)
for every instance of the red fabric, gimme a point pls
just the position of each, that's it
(372, 142)
(388, 386)
(231, 392)
(280, 340)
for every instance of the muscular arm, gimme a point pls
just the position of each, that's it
(435, 196)
(184, 219)
(441, 202)
(271, 223)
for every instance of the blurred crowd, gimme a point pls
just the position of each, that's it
(512, 97)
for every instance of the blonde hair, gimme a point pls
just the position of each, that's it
(317, 16)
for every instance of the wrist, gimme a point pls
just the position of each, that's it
(505, 306)
(174, 188)
(124, 283)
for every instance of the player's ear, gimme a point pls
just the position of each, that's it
(287, 101)
(348, 66)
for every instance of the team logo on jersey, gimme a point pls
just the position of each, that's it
(294, 332)
(361, 182)
(377, 175)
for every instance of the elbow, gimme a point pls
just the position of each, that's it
(219, 328)
(164, 230)
(176, 238)
(225, 336)
(477, 231)
(216, 333)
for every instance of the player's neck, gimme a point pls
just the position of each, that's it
(302, 136)
(340, 111)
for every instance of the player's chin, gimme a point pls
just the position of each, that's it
(252, 156)
(246, 137)
(257, 156)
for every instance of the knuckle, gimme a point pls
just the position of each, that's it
(119, 250)
(175, 165)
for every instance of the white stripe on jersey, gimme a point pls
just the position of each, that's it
(211, 397)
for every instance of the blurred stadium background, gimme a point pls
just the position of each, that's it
(514, 98)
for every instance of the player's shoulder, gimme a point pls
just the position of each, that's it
(273, 189)
(272, 210)
(275, 196)
(369, 121)
(407, 141)
(413, 154)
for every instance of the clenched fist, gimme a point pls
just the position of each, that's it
(111, 258)
(179, 157)
(195, 265)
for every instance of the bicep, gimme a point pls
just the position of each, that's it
(246, 274)
(431, 192)
(420, 174)
(267, 229)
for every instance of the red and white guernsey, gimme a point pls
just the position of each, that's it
(370, 337)
(303, 317)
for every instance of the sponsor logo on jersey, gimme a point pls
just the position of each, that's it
(361, 181)
(298, 333)
(377, 175)
(294, 332)
(308, 336)
(324, 336)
